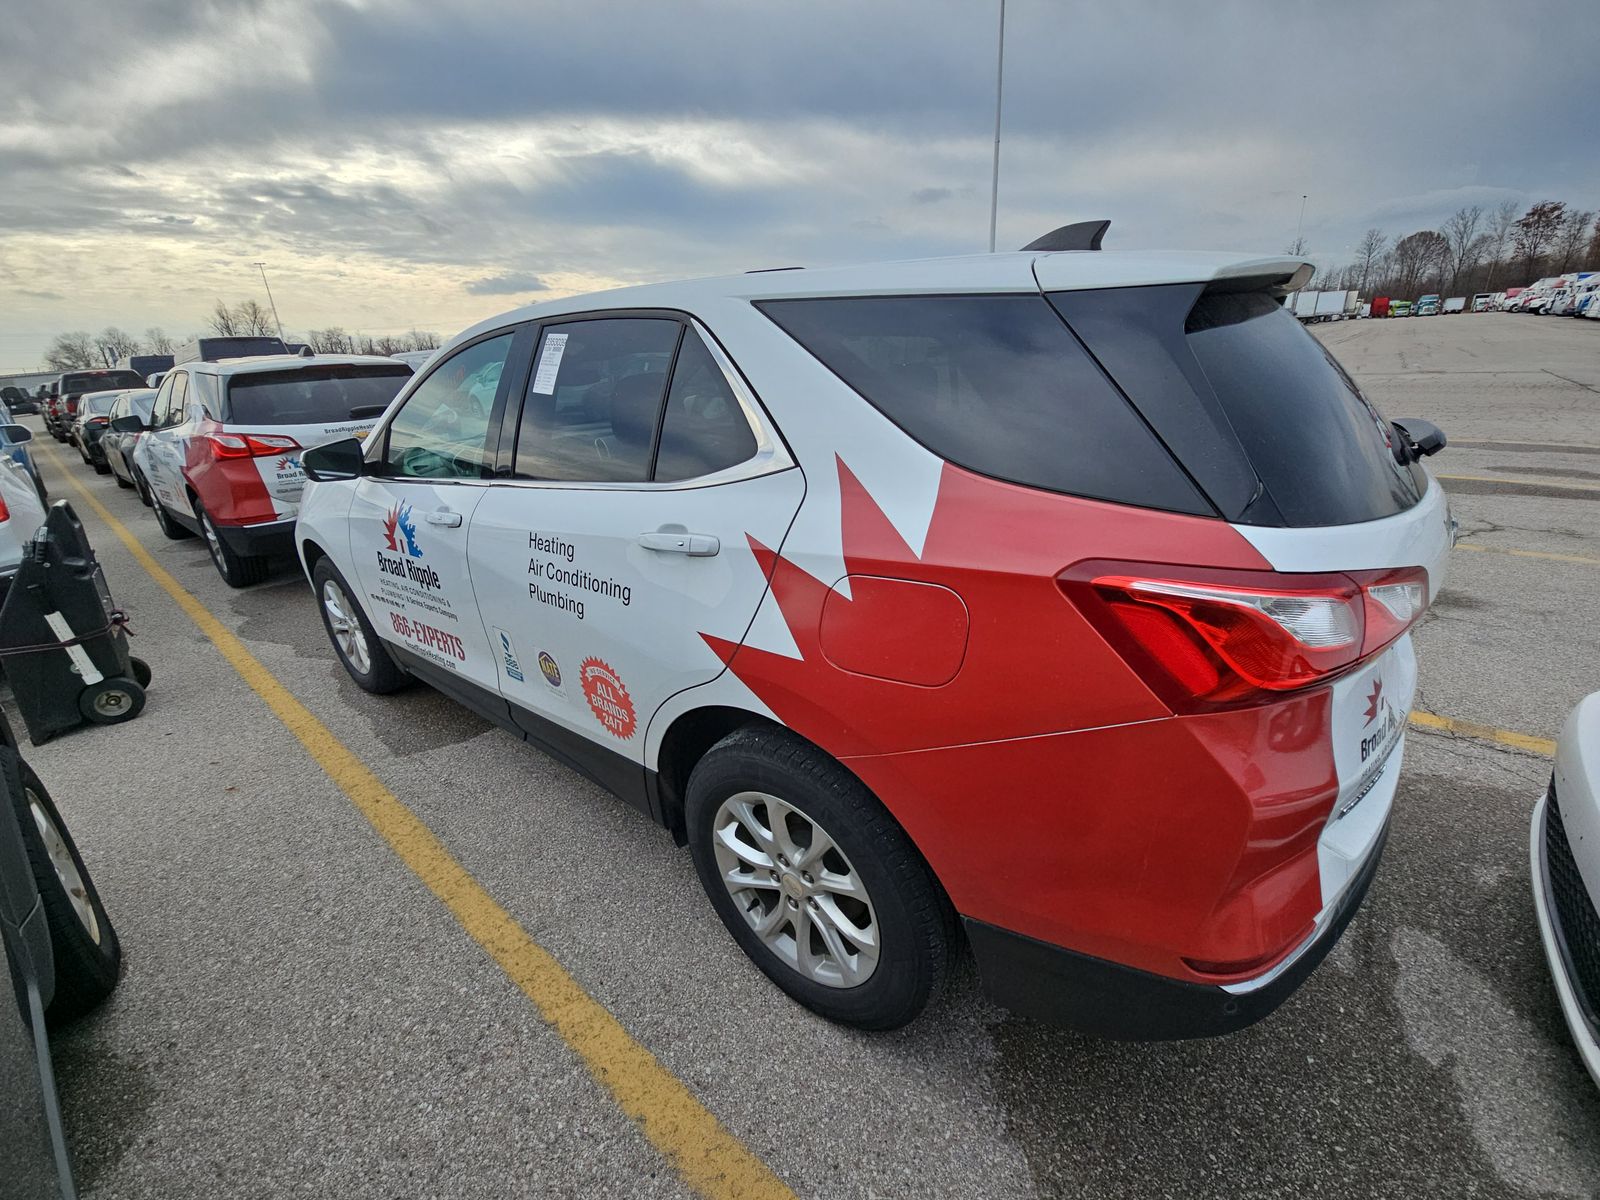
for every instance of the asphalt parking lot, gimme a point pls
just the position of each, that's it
(301, 1015)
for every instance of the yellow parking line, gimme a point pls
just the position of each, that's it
(709, 1159)
(1519, 481)
(1483, 733)
(1571, 558)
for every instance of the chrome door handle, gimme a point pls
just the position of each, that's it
(696, 545)
(449, 520)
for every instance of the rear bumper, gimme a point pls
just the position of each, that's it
(1105, 999)
(269, 538)
(1568, 928)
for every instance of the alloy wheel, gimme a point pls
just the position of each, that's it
(345, 626)
(796, 889)
(60, 856)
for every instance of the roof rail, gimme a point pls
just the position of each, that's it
(1082, 235)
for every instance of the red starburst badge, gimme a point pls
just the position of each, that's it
(608, 697)
(1374, 701)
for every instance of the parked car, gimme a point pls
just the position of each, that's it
(1566, 877)
(21, 506)
(153, 380)
(222, 453)
(18, 402)
(62, 410)
(94, 415)
(145, 364)
(1559, 303)
(117, 444)
(64, 958)
(20, 452)
(413, 358)
(794, 562)
(214, 349)
(1509, 298)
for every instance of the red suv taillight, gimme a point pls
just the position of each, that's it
(5, 513)
(248, 445)
(1204, 639)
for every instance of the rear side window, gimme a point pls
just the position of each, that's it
(704, 429)
(1317, 444)
(997, 384)
(311, 395)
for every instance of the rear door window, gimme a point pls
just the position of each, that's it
(997, 384)
(311, 395)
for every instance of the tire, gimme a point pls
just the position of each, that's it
(83, 942)
(121, 482)
(111, 701)
(354, 640)
(139, 485)
(237, 570)
(141, 671)
(101, 468)
(897, 899)
(169, 526)
(44, 492)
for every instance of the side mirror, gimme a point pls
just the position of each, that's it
(1418, 439)
(16, 434)
(335, 460)
(132, 423)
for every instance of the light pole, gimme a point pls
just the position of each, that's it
(262, 267)
(999, 82)
(1301, 224)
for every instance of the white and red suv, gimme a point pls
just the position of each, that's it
(220, 455)
(1063, 593)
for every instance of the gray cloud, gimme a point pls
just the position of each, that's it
(507, 285)
(931, 195)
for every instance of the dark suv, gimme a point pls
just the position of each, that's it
(61, 410)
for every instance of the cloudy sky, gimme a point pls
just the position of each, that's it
(425, 163)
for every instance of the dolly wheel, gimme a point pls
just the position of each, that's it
(111, 701)
(141, 670)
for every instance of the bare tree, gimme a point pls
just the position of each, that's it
(1461, 232)
(112, 343)
(419, 339)
(222, 321)
(1501, 226)
(332, 340)
(1570, 239)
(1536, 229)
(1369, 253)
(156, 341)
(254, 319)
(71, 352)
(1593, 254)
(1419, 256)
(1297, 247)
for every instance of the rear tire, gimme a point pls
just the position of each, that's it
(169, 525)
(84, 945)
(142, 488)
(237, 570)
(354, 640)
(101, 468)
(812, 919)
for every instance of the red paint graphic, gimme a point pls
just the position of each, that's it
(608, 697)
(390, 520)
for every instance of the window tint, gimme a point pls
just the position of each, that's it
(997, 384)
(1317, 444)
(96, 381)
(441, 431)
(594, 400)
(311, 395)
(178, 398)
(100, 404)
(704, 429)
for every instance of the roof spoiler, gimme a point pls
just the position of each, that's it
(1082, 235)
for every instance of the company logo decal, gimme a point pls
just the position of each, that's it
(398, 527)
(608, 697)
(1375, 701)
(549, 669)
(289, 462)
(508, 655)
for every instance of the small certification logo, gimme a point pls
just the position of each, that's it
(549, 669)
(508, 655)
(608, 698)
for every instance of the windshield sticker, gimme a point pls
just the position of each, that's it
(544, 379)
(608, 698)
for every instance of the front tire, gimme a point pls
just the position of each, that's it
(83, 943)
(354, 640)
(816, 881)
(169, 526)
(237, 570)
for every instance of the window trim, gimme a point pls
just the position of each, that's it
(772, 451)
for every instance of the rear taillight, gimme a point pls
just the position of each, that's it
(99, 421)
(1206, 638)
(5, 513)
(249, 445)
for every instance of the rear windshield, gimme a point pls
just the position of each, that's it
(98, 381)
(100, 404)
(1317, 444)
(311, 395)
(997, 384)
